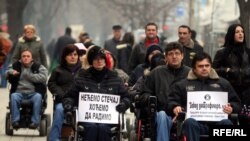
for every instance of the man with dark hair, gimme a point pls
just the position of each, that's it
(190, 48)
(139, 51)
(111, 44)
(202, 77)
(158, 83)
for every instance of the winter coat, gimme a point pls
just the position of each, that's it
(239, 73)
(178, 94)
(110, 84)
(138, 54)
(159, 81)
(60, 81)
(35, 46)
(189, 51)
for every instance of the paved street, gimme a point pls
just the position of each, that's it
(21, 134)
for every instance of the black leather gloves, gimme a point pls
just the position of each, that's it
(121, 108)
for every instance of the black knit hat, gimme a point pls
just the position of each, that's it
(150, 49)
(93, 52)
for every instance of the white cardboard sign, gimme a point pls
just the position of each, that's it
(98, 108)
(206, 105)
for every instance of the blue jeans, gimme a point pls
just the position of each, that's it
(58, 117)
(97, 132)
(192, 129)
(164, 124)
(16, 99)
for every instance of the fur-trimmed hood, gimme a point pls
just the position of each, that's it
(212, 75)
(190, 44)
(36, 38)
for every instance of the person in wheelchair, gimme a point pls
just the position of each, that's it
(59, 82)
(158, 83)
(28, 81)
(98, 79)
(202, 77)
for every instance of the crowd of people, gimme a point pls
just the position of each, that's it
(167, 70)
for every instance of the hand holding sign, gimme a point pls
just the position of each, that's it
(121, 108)
(228, 108)
(98, 108)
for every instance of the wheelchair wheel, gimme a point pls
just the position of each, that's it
(43, 127)
(8, 130)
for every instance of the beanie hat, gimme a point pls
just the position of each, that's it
(157, 60)
(94, 52)
(150, 49)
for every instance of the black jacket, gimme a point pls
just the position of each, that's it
(60, 81)
(178, 94)
(86, 82)
(138, 54)
(239, 74)
(159, 81)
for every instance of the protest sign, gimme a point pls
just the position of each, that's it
(206, 105)
(98, 108)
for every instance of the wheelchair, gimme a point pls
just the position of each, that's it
(118, 132)
(144, 126)
(25, 117)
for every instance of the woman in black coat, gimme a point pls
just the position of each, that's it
(233, 60)
(61, 79)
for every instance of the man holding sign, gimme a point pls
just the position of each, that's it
(203, 80)
(96, 92)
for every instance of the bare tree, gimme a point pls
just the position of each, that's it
(245, 17)
(139, 12)
(15, 10)
(43, 16)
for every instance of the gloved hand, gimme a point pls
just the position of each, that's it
(121, 108)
